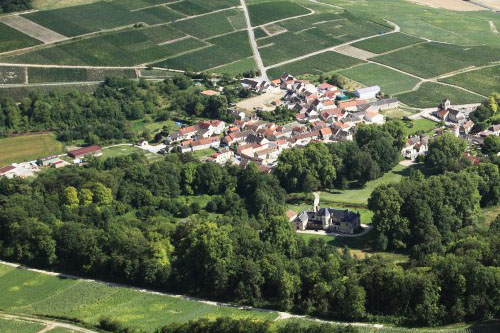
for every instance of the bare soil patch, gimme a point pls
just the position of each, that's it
(262, 101)
(354, 52)
(458, 5)
(32, 29)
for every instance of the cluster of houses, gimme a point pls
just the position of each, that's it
(324, 113)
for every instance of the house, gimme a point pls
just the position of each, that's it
(86, 151)
(384, 104)
(183, 134)
(350, 105)
(328, 219)
(326, 133)
(415, 146)
(467, 127)
(212, 142)
(442, 114)
(367, 93)
(8, 171)
(374, 117)
(456, 116)
(221, 157)
(210, 127)
(291, 215)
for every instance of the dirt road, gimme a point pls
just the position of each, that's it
(50, 323)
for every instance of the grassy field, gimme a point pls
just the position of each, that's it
(11, 39)
(18, 93)
(43, 75)
(434, 59)
(123, 48)
(386, 43)
(359, 196)
(315, 65)
(138, 126)
(420, 125)
(390, 81)
(266, 12)
(431, 94)
(28, 292)
(483, 81)
(19, 326)
(12, 74)
(27, 148)
(209, 25)
(396, 113)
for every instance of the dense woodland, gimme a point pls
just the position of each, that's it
(105, 115)
(8, 6)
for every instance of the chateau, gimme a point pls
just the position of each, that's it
(328, 219)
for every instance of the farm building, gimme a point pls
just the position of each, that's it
(8, 171)
(86, 151)
(46, 161)
(367, 93)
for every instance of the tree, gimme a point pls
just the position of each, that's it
(71, 197)
(446, 154)
(279, 233)
(491, 145)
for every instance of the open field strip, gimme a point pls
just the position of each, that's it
(28, 148)
(32, 29)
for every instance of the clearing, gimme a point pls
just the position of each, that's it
(262, 101)
(28, 292)
(28, 148)
(32, 29)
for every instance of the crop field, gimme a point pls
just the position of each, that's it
(19, 326)
(196, 7)
(483, 81)
(386, 43)
(266, 12)
(431, 94)
(28, 292)
(209, 25)
(43, 75)
(12, 74)
(434, 59)
(124, 48)
(237, 67)
(315, 65)
(27, 148)
(313, 33)
(11, 39)
(225, 49)
(18, 93)
(390, 81)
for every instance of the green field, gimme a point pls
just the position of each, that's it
(11, 39)
(225, 49)
(360, 196)
(125, 48)
(12, 74)
(431, 94)
(210, 25)
(386, 43)
(315, 65)
(266, 12)
(237, 67)
(27, 148)
(390, 81)
(434, 59)
(396, 113)
(420, 125)
(18, 93)
(43, 75)
(483, 81)
(316, 32)
(29, 293)
(196, 7)
(19, 326)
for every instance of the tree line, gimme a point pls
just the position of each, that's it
(8, 6)
(124, 220)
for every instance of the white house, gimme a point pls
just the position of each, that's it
(367, 93)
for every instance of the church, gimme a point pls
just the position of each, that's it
(328, 219)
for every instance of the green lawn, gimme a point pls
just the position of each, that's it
(418, 125)
(396, 113)
(138, 126)
(203, 153)
(390, 81)
(360, 196)
(431, 94)
(33, 293)
(19, 326)
(483, 81)
(28, 148)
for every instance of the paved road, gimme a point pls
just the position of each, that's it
(253, 42)
(50, 323)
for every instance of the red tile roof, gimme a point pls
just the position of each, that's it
(209, 92)
(6, 169)
(84, 151)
